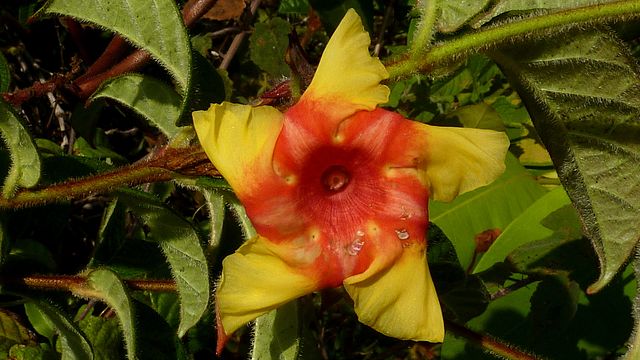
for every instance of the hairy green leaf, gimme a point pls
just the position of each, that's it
(454, 14)
(583, 95)
(153, 25)
(25, 161)
(215, 206)
(524, 229)
(503, 6)
(74, 344)
(181, 245)
(154, 100)
(277, 334)
(268, 45)
(493, 206)
(108, 287)
(5, 74)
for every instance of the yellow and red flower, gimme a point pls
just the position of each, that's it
(337, 191)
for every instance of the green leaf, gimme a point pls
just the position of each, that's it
(34, 352)
(25, 161)
(524, 229)
(553, 306)
(157, 339)
(504, 318)
(104, 334)
(633, 345)
(181, 245)
(153, 25)
(208, 86)
(454, 14)
(5, 74)
(74, 344)
(108, 287)
(479, 116)
(111, 234)
(13, 332)
(268, 45)
(277, 334)
(215, 206)
(154, 100)
(583, 95)
(39, 321)
(490, 207)
(503, 6)
(300, 7)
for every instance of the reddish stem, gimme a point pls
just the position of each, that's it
(70, 283)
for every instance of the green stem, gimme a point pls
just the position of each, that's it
(492, 37)
(424, 32)
(489, 344)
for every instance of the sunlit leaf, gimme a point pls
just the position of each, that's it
(583, 94)
(108, 287)
(25, 161)
(527, 227)
(490, 207)
(181, 245)
(277, 334)
(153, 25)
(154, 100)
(74, 343)
(454, 14)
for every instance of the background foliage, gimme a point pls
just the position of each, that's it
(113, 223)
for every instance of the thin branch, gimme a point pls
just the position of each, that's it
(105, 67)
(73, 283)
(385, 22)
(167, 164)
(488, 343)
(238, 39)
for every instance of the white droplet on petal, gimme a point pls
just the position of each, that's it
(357, 243)
(402, 234)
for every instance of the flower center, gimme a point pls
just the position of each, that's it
(335, 178)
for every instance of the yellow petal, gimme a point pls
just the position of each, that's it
(255, 280)
(348, 77)
(401, 301)
(461, 159)
(239, 140)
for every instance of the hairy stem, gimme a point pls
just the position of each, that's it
(167, 164)
(424, 32)
(488, 343)
(77, 282)
(493, 37)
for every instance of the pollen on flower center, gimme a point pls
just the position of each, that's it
(335, 178)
